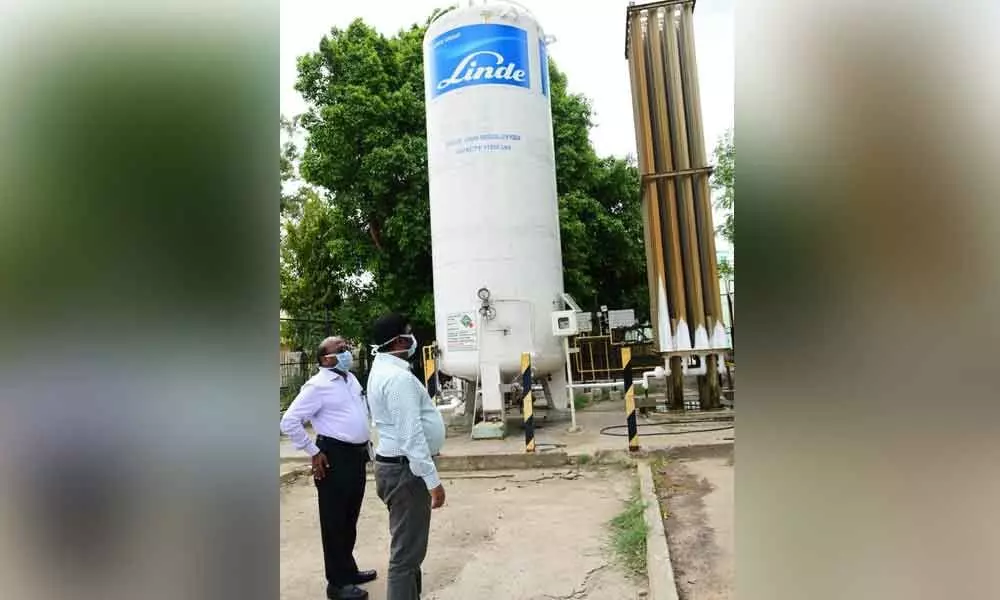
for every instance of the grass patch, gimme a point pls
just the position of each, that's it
(581, 401)
(584, 459)
(628, 535)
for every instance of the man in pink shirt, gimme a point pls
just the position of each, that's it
(331, 400)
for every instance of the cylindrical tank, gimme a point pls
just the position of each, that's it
(493, 206)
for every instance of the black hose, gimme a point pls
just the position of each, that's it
(606, 430)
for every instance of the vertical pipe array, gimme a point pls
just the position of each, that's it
(679, 230)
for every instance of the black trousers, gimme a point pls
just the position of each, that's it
(340, 495)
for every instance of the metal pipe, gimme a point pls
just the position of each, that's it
(694, 171)
(569, 387)
(607, 384)
(668, 46)
(703, 197)
(657, 373)
(657, 155)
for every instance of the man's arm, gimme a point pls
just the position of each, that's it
(305, 406)
(404, 403)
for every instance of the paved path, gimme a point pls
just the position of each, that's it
(699, 496)
(529, 535)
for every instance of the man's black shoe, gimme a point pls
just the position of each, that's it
(365, 577)
(347, 592)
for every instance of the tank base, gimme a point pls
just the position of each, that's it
(487, 430)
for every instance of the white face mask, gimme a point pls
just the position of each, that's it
(413, 346)
(409, 351)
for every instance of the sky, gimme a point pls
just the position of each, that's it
(589, 48)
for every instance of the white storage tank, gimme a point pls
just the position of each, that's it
(493, 205)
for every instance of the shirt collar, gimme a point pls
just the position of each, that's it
(333, 375)
(393, 360)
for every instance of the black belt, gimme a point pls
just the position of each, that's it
(393, 460)
(325, 439)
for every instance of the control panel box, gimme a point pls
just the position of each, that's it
(564, 323)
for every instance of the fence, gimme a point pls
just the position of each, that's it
(598, 357)
(297, 358)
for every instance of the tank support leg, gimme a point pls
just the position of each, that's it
(556, 390)
(492, 426)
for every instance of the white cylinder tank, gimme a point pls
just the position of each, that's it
(493, 206)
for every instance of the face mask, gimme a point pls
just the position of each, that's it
(344, 361)
(413, 347)
(376, 348)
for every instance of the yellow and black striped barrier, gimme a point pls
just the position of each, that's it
(633, 426)
(527, 403)
(430, 371)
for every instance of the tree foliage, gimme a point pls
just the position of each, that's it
(723, 180)
(356, 239)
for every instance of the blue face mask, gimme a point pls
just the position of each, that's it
(345, 360)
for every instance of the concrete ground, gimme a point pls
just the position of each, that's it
(551, 433)
(696, 495)
(526, 535)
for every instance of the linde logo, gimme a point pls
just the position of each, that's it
(472, 69)
(481, 54)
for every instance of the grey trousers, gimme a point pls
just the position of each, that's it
(409, 503)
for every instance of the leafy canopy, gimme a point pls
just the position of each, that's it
(723, 180)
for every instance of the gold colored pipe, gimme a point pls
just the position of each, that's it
(664, 162)
(682, 161)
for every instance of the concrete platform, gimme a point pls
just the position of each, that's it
(557, 447)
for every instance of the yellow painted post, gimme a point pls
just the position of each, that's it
(527, 403)
(430, 371)
(630, 421)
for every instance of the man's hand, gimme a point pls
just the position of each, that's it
(320, 465)
(437, 497)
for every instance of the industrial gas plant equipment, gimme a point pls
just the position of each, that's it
(497, 262)
(677, 207)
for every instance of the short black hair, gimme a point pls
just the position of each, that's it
(389, 327)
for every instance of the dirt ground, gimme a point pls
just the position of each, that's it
(697, 498)
(530, 535)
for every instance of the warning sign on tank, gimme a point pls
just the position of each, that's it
(462, 332)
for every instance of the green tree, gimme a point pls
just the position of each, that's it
(361, 243)
(723, 180)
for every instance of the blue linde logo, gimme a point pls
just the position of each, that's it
(486, 54)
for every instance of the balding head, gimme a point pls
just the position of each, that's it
(331, 345)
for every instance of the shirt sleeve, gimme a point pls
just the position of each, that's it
(403, 401)
(305, 406)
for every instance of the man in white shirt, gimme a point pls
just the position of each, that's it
(331, 400)
(410, 433)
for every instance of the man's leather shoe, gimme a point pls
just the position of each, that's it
(347, 592)
(365, 576)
